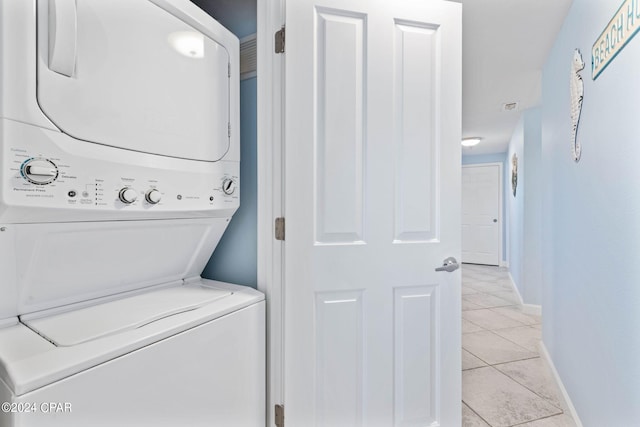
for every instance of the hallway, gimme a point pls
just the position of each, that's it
(505, 382)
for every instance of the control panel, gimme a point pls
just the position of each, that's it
(44, 176)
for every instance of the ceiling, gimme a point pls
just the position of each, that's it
(505, 45)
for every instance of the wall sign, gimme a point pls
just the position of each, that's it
(577, 95)
(622, 27)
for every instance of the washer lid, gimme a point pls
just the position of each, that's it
(129, 74)
(90, 323)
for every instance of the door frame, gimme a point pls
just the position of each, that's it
(501, 214)
(270, 159)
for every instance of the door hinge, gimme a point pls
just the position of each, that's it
(279, 415)
(279, 40)
(229, 69)
(229, 130)
(280, 228)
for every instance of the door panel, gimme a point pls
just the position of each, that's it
(340, 374)
(481, 214)
(139, 78)
(416, 140)
(340, 128)
(416, 326)
(372, 185)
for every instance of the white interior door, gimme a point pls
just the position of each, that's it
(372, 187)
(481, 214)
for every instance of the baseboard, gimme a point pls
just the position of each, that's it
(526, 308)
(532, 309)
(515, 289)
(565, 396)
(4, 323)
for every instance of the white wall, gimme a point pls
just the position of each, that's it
(591, 224)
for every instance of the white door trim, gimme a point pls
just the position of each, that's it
(501, 216)
(270, 192)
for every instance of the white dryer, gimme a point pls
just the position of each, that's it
(119, 173)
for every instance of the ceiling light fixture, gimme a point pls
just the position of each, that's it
(471, 142)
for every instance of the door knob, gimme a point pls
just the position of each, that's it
(450, 264)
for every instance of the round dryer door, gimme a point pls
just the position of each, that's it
(129, 74)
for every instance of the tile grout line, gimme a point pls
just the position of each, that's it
(477, 414)
(520, 345)
(538, 419)
(562, 412)
(497, 329)
(525, 386)
(494, 332)
(501, 363)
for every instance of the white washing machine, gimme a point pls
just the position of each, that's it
(119, 173)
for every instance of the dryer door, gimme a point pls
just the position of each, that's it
(129, 74)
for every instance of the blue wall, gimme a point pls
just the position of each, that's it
(525, 209)
(477, 159)
(239, 16)
(235, 259)
(531, 284)
(591, 217)
(515, 206)
(470, 159)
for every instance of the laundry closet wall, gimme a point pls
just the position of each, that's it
(591, 223)
(236, 257)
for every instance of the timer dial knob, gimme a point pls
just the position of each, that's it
(39, 171)
(153, 196)
(128, 195)
(228, 186)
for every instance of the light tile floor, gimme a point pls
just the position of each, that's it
(504, 381)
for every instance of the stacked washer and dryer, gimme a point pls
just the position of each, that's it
(119, 135)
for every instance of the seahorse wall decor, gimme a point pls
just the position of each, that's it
(577, 94)
(514, 173)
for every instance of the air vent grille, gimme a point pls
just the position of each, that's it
(510, 106)
(248, 57)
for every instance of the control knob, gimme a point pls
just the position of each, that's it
(128, 195)
(228, 186)
(39, 171)
(153, 196)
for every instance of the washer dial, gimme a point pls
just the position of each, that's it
(39, 171)
(128, 195)
(153, 196)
